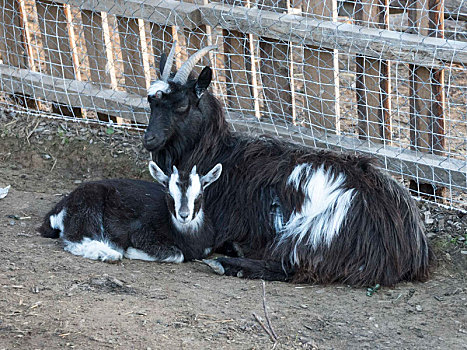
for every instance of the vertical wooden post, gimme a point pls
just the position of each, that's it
(133, 67)
(101, 65)
(241, 84)
(162, 38)
(427, 91)
(56, 41)
(15, 44)
(13, 49)
(373, 85)
(321, 74)
(275, 70)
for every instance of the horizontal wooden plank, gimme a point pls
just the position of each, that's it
(453, 9)
(167, 12)
(431, 168)
(75, 93)
(351, 38)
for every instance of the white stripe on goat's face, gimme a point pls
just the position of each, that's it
(323, 211)
(185, 192)
(158, 85)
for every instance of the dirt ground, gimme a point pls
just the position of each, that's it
(51, 299)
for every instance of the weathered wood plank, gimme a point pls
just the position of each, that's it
(427, 91)
(13, 49)
(354, 39)
(321, 74)
(275, 68)
(15, 43)
(55, 38)
(99, 66)
(239, 71)
(162, 38)
(130, 45)
(100, 56)
(373, 84)
(56, 44)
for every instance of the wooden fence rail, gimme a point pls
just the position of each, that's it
(277, 62)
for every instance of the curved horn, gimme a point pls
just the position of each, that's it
(183, 73)
(169, 63)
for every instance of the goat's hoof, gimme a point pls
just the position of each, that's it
(215, 266)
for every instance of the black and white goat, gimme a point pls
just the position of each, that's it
(297, 213)
(111, 219)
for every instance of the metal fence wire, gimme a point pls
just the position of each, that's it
(374, 76)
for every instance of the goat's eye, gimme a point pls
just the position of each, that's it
(182, 108)
(152, 99)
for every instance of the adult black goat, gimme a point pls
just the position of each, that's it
(106, 220)
(297, 213)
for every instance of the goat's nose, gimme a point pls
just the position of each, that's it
(184, 214)
(149, 137)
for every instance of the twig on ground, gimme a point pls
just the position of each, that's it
(32, 131)
(53, 166)
(264, 327)
(268, 329)
(266, 314)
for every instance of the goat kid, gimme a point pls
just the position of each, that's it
(297, 213)
(111, 219)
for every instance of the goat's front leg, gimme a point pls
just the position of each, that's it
(149, 249)
(249, 268)
(169, 254)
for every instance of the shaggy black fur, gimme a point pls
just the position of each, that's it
(382, 239)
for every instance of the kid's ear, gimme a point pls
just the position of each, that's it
(204, 79)
(158, 174)
(212, 176)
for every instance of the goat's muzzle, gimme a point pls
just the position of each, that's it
(152, 142)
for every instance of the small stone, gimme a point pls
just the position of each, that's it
(448, 256)
(464, 252)
(77, 182)
(441, 224)
(304, 306)
(12, 222)
(418, 308)
(46, 156)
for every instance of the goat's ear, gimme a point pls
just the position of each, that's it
(212, 176)
(203, 81)
(162, 62)
(158, 174)
(193, 170)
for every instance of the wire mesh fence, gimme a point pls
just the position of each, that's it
(383, 78)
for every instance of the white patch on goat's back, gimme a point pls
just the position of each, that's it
(193, 192)
(57, 221)
(323, 210)
(94, 250)
(192, 226)
(136, 254)
(158, 85)
(296, 175)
